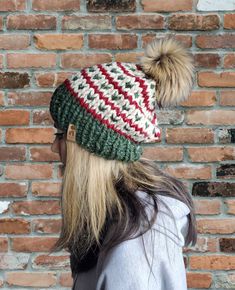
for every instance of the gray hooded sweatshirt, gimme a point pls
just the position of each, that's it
(126, 267)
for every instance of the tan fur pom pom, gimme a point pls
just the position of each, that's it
(171, 66)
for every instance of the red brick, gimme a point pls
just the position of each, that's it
(14, 41)
(216, 41)
(167, 6)
(189, 135)
(66, 279)
(229, 60)
(31, 22)
(14, 80)
(186, 40)
(51, 262)
(212, 262)
(211, 154)
(203, 206)
(163, 153)
(12, 153)
(213, 117)
(29, 279)
(28, 171)
(2, 102)
(200, 99)
(11, 189)
(13, 5)
(216, 226)
(47, 226)
(189, 171)
(145, 21)
(229, 21)
(230, 206)
(1, 23)
(194, 22)
(3, 244)
(55, 5)
(112, 41)
(33, 244)
(227, 98)
(74, 22)
(46, 188)
(42, 117)
(58, 41)
(78, 60)
(212, 79)
(51, 79)
(31, 60)
(199, 280)
(207, 60)
(33, 98)
(129, 56)
(43, 154)
(29, 135)
(14, 117)
(37, 207)
(14, 226)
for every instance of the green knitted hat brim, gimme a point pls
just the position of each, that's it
(91, 134)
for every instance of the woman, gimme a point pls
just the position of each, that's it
(124, 221)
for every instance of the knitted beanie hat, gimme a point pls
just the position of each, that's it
(110, 109)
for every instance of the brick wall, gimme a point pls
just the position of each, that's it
(44, 41)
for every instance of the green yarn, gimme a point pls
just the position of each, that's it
(91, 134)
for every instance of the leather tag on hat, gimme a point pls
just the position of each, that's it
(71, 133)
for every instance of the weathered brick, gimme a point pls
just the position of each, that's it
(13, 5)
(51, 262)
(112, 41)
(200, 99)
(186, 40)
(37, 207)
(167, 6)
(78, 60)
(189, 135)
(51, 79)
(194, 22)
(229, 60)
(229, 21)
(227, 98)
(163, 153)
(29, 135)
(55, 5)
(30, 279)
(213, 189)
(31, 60)
(33, 244)
(42, 117)
(89, 22)
(33, 98)
(227, 245)
(212, 117)
(230, 206)
(11, 189)
(3, 244)
(12, 153)
(189, 171)
(207, 60)
(28, 171)
(199, 280)
(216, 41)
(46, 188)
(149, 21)
(66, 279)
(216, 226)
(211, 154)
(13, 261)
(14, 117)
(129, 56)
(43, 154)
(14, 41)
(215, 5)
(111, 6)
(14, 226)
(212, 262)
(225, 171)
(14, 80)
(226, 136)
(207, 207)
(47, 226)
(212, 79)
(2, 101)
(58, 41)
(1, 23)
(170, 117)
(31, 21)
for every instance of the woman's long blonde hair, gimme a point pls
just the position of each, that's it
(95, 188)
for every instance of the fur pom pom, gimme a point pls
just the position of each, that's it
(171, 66)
